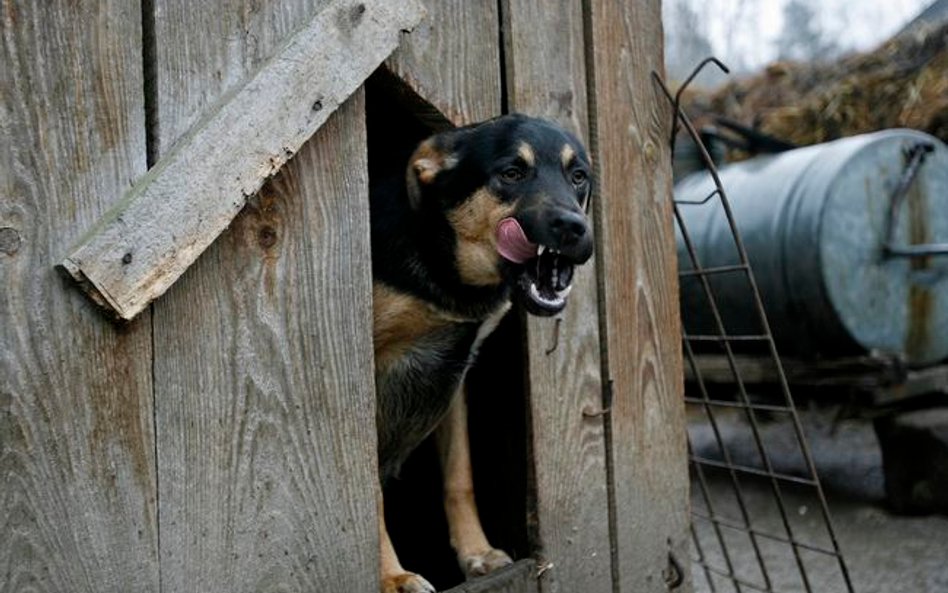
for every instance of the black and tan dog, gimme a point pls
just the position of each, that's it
(487, 214)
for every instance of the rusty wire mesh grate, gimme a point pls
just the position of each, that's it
(747, 514)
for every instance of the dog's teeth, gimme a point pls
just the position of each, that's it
(562, 294)
(535, 294)
(555, 272)
(541, 249)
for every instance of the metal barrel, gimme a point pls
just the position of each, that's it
(848, 242)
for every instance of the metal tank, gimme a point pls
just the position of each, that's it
(848, 241)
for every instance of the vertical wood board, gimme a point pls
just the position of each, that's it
(640, 293)
(265, 401)
(450, 62)
(546, 77)
(206, 50)
(77, 464)
(545, 67)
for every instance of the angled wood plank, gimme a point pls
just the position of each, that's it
(263, 374)
(451, 62)
(167, 220)
(548, 79)
(77, 465)
(640, 291)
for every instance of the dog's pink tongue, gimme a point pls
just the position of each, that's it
(512, 243)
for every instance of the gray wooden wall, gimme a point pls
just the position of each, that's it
(78, 491)
(224, 440)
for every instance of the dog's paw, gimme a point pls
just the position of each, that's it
(405, 582)
(475, 565)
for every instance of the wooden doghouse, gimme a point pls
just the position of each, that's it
(201, 168)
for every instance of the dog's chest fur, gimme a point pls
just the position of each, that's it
(421, 356)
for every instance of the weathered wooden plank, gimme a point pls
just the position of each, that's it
(265, 400)
(856, 372)
(77, 467)
(520, 577)
(546, 76)
(167, 220)
(640, 291)
(881, 380)
(451, 62)
(264, 383)
(545, 61)
(264, 389)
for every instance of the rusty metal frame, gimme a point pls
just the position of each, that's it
(722, 568)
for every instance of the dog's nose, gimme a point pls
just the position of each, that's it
(568, 227)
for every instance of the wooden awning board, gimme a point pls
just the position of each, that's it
(174, 212)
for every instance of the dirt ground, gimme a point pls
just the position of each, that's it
(884, 553)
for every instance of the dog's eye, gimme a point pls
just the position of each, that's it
(579, 177)
(512, 174)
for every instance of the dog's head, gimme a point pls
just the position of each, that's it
(514, 192)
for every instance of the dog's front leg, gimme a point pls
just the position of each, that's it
(475, 555)
(394, 578)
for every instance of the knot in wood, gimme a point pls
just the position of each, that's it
(10, 240)
(267, 237)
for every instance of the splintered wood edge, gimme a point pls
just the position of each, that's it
(70, 269)
(172, 214)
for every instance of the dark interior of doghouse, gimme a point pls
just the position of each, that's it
(396, 122)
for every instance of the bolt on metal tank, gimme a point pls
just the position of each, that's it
(848, 241)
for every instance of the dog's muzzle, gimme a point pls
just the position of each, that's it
(544, 271)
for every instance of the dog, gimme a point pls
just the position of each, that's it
(487, 215)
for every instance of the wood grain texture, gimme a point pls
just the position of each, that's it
(264, 389)
(519, 577)
(265, 397)
(451, 62)
(77, 466)
(168, 219)
(545, 61)
(546, 76)
(265, 415)
(640, 292)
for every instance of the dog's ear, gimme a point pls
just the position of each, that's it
(432, 157)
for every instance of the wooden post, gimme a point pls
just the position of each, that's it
(546, 77)
(77, 451)
(639, 292)
(265, 403)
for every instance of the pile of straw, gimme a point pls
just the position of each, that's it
(904, 83)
